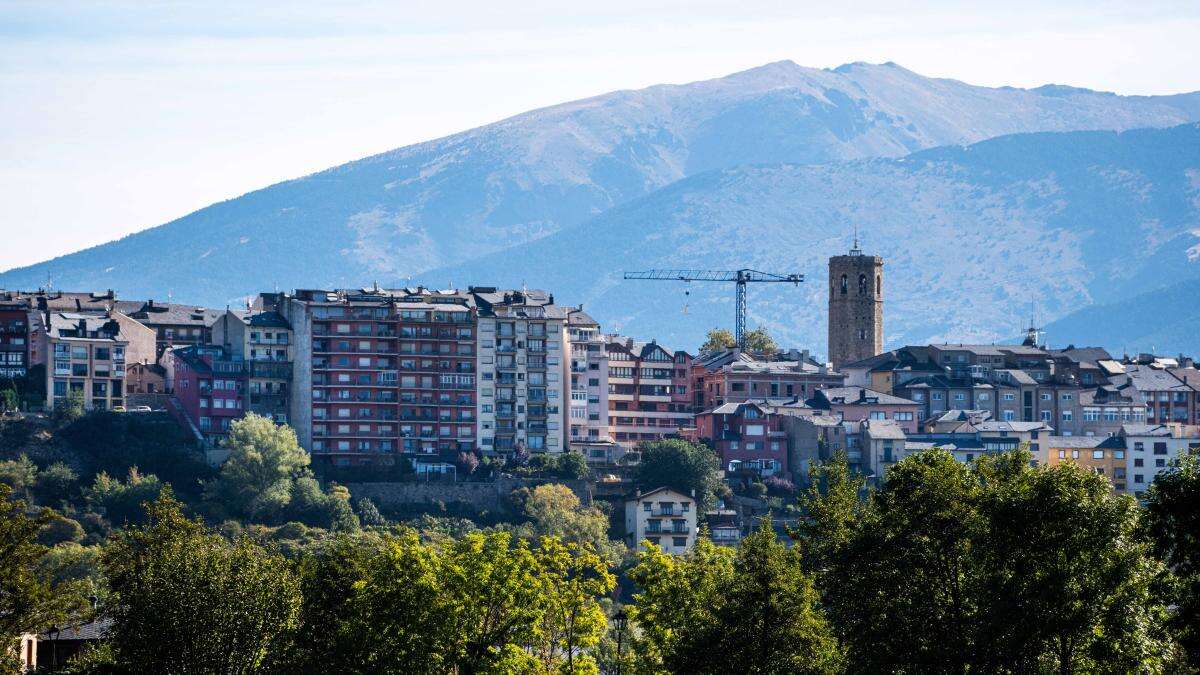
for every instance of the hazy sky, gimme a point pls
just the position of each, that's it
(118, 116)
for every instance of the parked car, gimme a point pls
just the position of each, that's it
(141, 409)
(118, 408)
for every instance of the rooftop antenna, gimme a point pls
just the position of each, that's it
(855, 250)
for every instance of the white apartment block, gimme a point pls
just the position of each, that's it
(523, 395)
(587, 416)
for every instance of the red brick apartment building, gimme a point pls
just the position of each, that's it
(648, 394)
(733, 376)
(14, 336)
(383, 374)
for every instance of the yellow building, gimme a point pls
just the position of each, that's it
(88, 354)
(1102, 455)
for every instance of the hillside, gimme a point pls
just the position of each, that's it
(1163, 321)
(975, 239)
(451, 200)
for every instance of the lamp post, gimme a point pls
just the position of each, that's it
(622, 620)
(54, 634)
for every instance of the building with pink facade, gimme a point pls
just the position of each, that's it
(210, 388)
(855, 404)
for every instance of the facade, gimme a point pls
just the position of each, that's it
(174, 325)
(1168, 399)
(1150, 448)
(89, 353)
(588, 411)
(383, 374)
(882, 444)
(524, 356)
(748, 436)
(210, 388)
(264, 340)
(14, 336)
(1102, 455)
(733, 376)
(663, 517)
(855, 307)
(647, 390)
(855, 404)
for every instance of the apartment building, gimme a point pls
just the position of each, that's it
(524, 356)
(381, 375)
(14, 336)
(855, 404)
(264, 340)
(648, 394)
(587, 417)
(174, 325)
(748, 436)
(1168, 398)
(1150, 449)
(1102, 455)
(663, 517)
(89, 353)
(210, 388)
(732, 376)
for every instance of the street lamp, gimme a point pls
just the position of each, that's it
(622, 620)
(54, 634)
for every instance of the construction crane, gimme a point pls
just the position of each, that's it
(740, 277)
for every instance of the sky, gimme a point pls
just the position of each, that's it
(119, 116)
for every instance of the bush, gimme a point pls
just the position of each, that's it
(56, 483)
(60, 530)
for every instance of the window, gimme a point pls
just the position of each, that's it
(1097, 454)
(1139, 478)
(1009, 416)
(878, 415)
(844, 284)
(1067, 415)
(679, 541)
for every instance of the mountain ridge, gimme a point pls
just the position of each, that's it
(408, 210)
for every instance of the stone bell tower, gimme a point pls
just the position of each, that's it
(855, 306)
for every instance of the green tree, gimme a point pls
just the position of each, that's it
(832, 509)
(716, 612)
(186, 600)
(682, 466)
(56, 484)
(716, 340)
(897, 578)
(28, 603)
(758, 340)
(264, 460)
(369, 514)
(70, 409)
(20, 475)
(1065, 579)
(557, 512)
(573, 578)
(121, 502)
(1173, 522)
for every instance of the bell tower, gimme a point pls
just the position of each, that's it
(855, 306)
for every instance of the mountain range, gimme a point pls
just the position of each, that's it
(771, 168)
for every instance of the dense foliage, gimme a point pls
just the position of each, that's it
(688, 468)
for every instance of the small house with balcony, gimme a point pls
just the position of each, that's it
(662, 516)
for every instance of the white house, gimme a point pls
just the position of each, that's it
(661, 516)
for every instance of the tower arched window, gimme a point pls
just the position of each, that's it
(878, 284)
(862, 284)
(844, 281)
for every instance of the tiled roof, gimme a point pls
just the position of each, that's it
(152, 313)
(855, 396)
(1063, 442)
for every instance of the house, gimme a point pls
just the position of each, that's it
(855, 404)
(90, 353)
(882, 444)
(58, 645)
(1102, 455)
(724, 526)
(264, 341)
(733, 376)
(647, 390)
(661, 516)
(1150, 448)
(748, 436)
(210, 388)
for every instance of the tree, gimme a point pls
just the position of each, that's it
(557, 512)
(69, 409)
(264, 460)
(122, 502)
(716, 612)
(1064, 577)
(186, 600)
(573, 577)
(686, 467)
(369, 514)
(716, 340)
(758, 340)
(55, 484)
(28, 603)
(1172, 519)
(20, 475)
(831, 511)
(896, 576)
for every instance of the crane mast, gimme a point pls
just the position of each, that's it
(738, 277)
